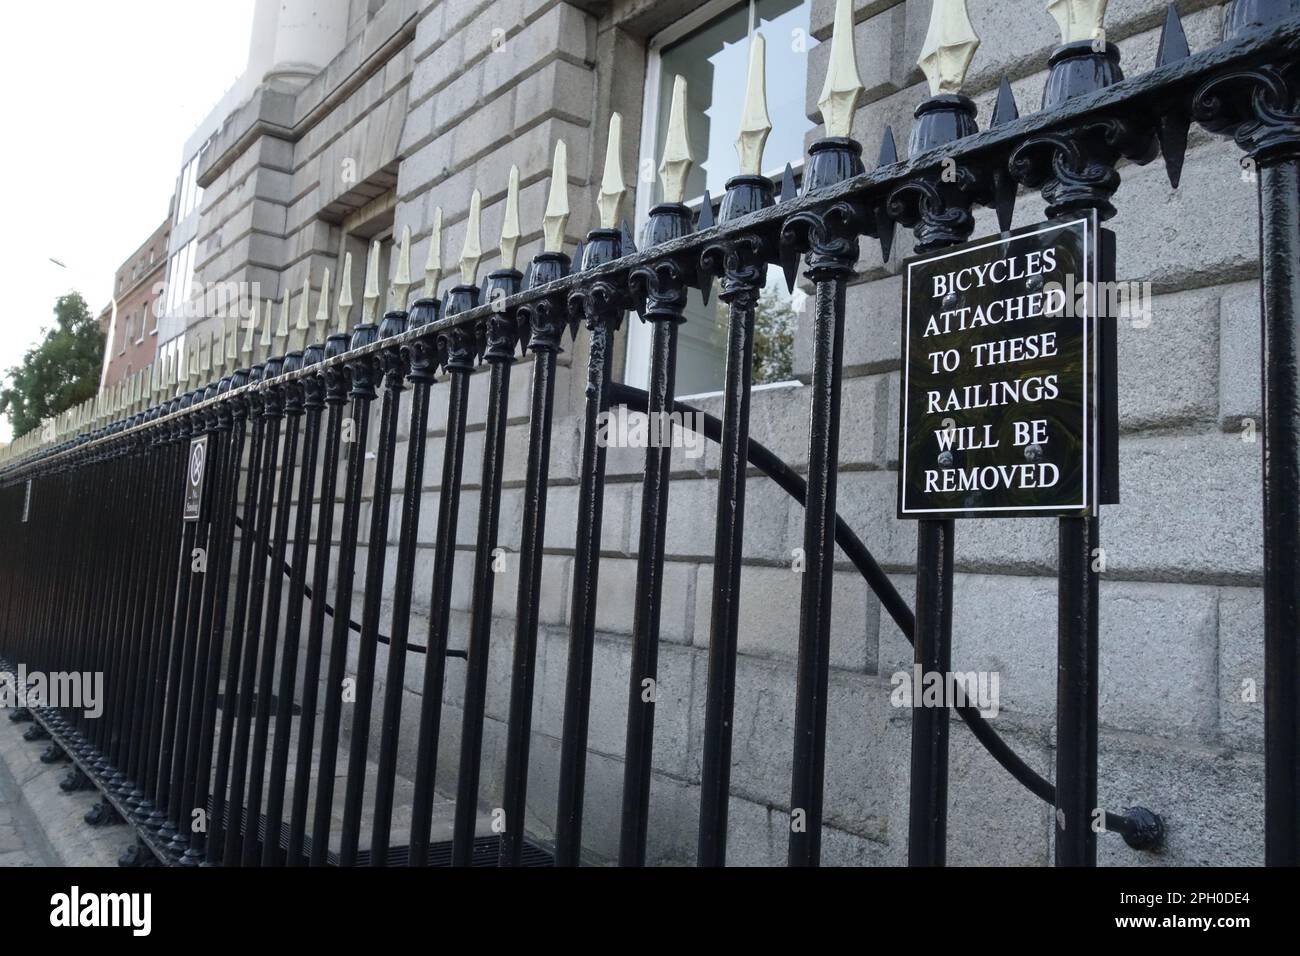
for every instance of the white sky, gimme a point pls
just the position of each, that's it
(98, 100)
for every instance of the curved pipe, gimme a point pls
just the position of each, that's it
(762, 458)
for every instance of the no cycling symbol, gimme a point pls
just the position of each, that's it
(194, 478)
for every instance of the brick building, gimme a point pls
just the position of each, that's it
(385, 111)
(130, 320)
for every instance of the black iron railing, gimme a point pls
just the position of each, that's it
(87, 585)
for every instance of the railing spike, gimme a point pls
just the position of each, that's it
(885, 225)
(755, 124)
(323, 306)
(399, 291)
(282, 327)
(705, 221)
(471, 252)
(250, 330)
(1175, 121)
(232, 342)
(370, 292)
(433, 261)
(677, 160)
(556, 218)
(510, 231)
(788, 189)
(950, 45)
(344, 308)
(628, 243)
(1078, 19)
(302, 325)
(843, 87)
(612, 186)
(1004, 185)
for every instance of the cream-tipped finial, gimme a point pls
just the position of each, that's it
(676, 163)
(265, 340)
(400, 289)
(433, 261)
(250, 330)
(1078, 19)
(842, 88)
(472, 252)
(323, 307)
(218, 351)
(510, 222)
(300, 326)
(282, 327)
(370, 293)
(556, 218)
(950, 45)
(232, 342)
(345, 295)
(755, 124)
(205, 356)
(611, 183)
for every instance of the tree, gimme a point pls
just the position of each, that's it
(62, 371)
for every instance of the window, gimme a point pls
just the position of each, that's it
(180, 275)
(710, 49)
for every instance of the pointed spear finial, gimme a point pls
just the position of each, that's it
(472, 251)
(370, 294)
(265, 341)
(677, 160)
(433, 261)
(323, 307)
(843, 87)
(556, 218)
(400, 290)
(205, 356)
(510, 223)
(282, 327)
(755, 124)
(232, 342)
(612, 186)
(949, 46)
(301, 325)
(1078, 19)
(250, 330)
(345, 295)
(218, 351)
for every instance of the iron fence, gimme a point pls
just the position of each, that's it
(187, 619)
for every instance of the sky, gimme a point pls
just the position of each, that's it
(99, 99)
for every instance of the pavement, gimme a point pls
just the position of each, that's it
(40, 825)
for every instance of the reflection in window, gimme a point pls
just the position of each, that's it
(714, 59)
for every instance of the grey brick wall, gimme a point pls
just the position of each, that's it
(468, 87)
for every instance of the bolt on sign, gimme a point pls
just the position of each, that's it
(194, 478)
(1001, 383)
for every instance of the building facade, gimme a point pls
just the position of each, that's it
(130, 320)
(361, 118)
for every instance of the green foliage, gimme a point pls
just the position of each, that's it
(62, 371)
(774, 319)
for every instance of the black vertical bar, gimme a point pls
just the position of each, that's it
(927, 826)
(422, 357)
(343, 582)
(602, 306)
(546, 322)
(1076, 694)
(316, 397)
(728, 551)
(813, 667)
(1279, 204)
(365, 375)
(641, 697)
(500, 337)
(458, 346)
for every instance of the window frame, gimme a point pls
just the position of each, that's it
(636, 352)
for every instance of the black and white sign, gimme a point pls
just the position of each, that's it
(999, 379)
(194, 478)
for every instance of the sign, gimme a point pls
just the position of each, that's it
(194, 478)
(999, 398)
(27, 501)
